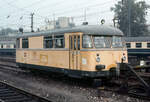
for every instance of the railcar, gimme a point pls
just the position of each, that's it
(89, 51)
(7, 45)
(138, 51)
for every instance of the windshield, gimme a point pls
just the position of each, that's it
(102, 42)
(87, 42)
(117, 41)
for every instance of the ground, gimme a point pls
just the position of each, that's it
(58, 90)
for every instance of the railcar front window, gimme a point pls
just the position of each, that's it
(99, 42)
(102, 41)
(87, 42)
(117, 41)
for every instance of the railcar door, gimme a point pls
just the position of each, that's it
(74, 52)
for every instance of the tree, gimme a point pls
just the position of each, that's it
(131, 17)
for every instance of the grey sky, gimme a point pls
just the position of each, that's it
(16, 13)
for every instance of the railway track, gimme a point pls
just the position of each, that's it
(9, 93)
(130, 91)
(8, 59)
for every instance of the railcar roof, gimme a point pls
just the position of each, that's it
(85, 29)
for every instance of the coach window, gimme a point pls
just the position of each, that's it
(48, 42)
(14, 46)
(25, 43)
(138, 45)
(7, 46)
(59, 41)
(128, 45)
(148, 45)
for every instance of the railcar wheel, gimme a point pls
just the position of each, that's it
(113, 72)
(97, 83)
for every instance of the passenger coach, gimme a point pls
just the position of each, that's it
(84, 51)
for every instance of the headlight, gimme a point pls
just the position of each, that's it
(97, 59)
(124, 57)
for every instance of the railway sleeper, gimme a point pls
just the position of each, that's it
(11, 97)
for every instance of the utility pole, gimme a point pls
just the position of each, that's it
(85, 19)
(32, 14)
(129, 17)
(85, 15)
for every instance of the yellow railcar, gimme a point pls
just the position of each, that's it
(84, 51)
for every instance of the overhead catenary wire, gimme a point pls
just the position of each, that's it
(40, 16)
(36, 14)
(60, 11)
(29, 11)
(33, 4)
(22, 9)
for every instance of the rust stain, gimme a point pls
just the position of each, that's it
(44, 59)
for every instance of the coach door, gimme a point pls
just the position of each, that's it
(74, 52)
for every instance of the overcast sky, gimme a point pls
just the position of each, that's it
(16, 13)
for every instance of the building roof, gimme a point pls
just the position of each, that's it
(85, 29)
(137, 39)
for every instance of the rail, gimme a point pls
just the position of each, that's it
(9, 93)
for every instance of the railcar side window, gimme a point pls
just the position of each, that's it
(48, 42)
(78, 42)
(59, 41)
(87, 42)
(25, 43)
(18, 43)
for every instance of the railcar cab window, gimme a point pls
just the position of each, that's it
(99, 41)
(87, 41)
(25, 43)
(59, 41)
(76, 42)
(117, 41)
(48, 42)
